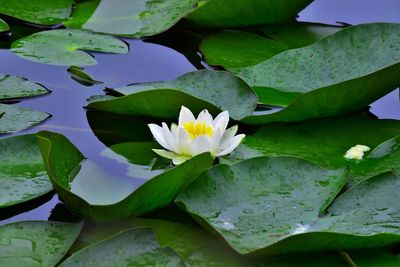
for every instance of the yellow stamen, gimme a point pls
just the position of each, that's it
(195, 129)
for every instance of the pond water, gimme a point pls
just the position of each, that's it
(146, 62)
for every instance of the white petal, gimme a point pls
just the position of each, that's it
(174, 129)
(183, 140)
(185, 115)
(229, 134)
(221, 121)
(170, 139)
(215, 142)
(206, 117)
(180, 160)
(158, 134)
(165, 154)
(200, 145)
(230, 145)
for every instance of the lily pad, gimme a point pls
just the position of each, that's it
(342, 72)
(130, 18)
(225, 13)
(321, 141)
(214, 90)
(92, 193)
(41, 12)
(14, 118)
(16, 87)
(284, 205)
(39, 243)
(63, 47)
(3, 26)
(137, 247)
(79, 75)
(22, 173)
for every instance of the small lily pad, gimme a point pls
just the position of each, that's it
(41, 12)
(136, 247)
(63, 47)
(22, 173)
(79, 75)
(14, 118)
(213, 90)
(39, 243)
(17, 87)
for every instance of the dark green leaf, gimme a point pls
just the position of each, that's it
(16, 118)
(16, 87)
(63, 47)
(382, 257)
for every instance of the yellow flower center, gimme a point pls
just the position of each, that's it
(195, 129)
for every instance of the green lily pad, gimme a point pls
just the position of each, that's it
(16, 87)
(91, 192)
(14, 118)
(42, 12)
(284, 205)
(375, 257)
(130, 18)
(137, 247)
(63, 47)
(3, 26)
(213, 90)
(22, 173)
(342, 72)
(225, 13)
(321, 141)
(35, 244)
(79, 75)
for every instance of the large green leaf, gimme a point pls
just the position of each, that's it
(133, 18)
(16, 87)
(22, 173)
(14, 118)
(214, 90)
(280, 205)
(91, 192)
(3, 26)
(64, 47)
(42, 12)
(226, 13)
(35, 244)
(137, 247)
(382, 257)
(342, 72)
(321, 141)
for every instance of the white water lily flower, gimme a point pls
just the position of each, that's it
(193, 136)
(356, 152)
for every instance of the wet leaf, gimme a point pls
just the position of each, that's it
(79, 75)
(22, 173)
(225, 13)
(137, 247)
(64, 47)
(42, 12)
(284, 205)
(39, 243)
(205, 89)
(343, 72)
(16, 118)
(133, 18)
(16, 87)
(91, 192)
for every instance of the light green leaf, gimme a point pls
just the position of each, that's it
(3, 26)
(35, 244)
(22, 173)
(130, 18)
(79, 75)
(283, 205)
(16, 87)
(16, 118)
(42, 12)
(205, 89)
(63, 47)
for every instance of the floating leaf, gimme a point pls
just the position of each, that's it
(321, 141)
(14, 118)
(93, 193)
(63, 47)
(137, 247)
(225, 13)
(79, 75)
(42, 12)
(342, 72)
(283, 205)
(375, 257)
(213, 90)
(22, 173)
(16, 87)
(39, 243)
(3, 26)
(133, 18)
